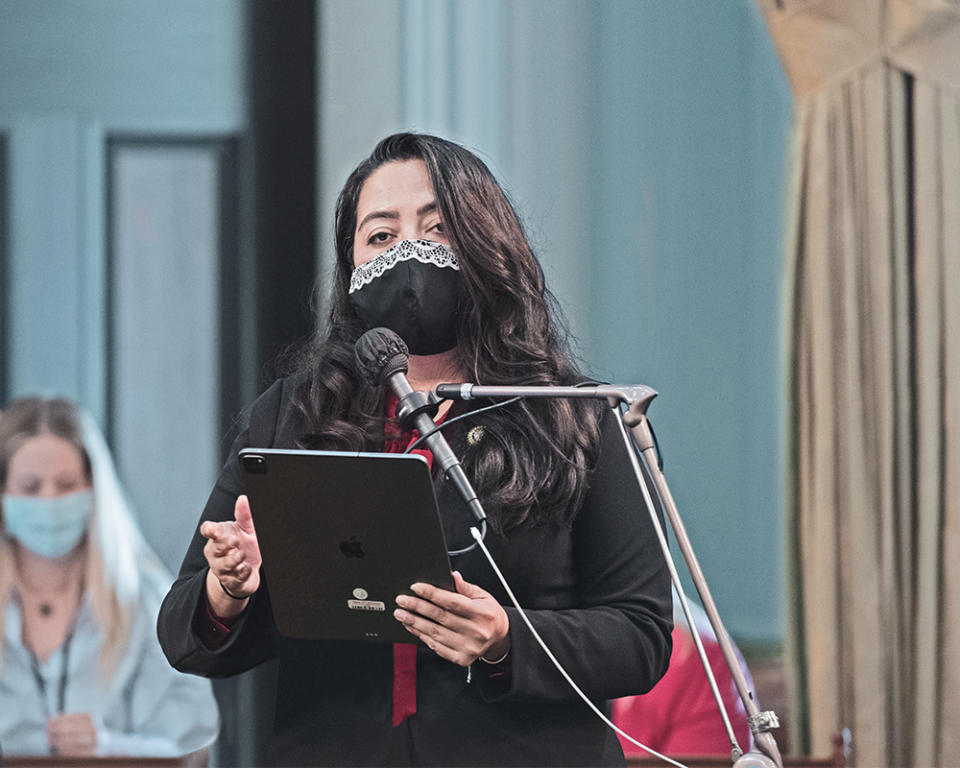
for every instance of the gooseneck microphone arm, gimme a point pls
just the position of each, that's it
(637, 399)
(382, 356)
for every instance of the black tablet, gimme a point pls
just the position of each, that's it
(342, 534)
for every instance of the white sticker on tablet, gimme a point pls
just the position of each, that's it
(366, 605)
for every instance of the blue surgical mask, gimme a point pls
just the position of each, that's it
(49, 527)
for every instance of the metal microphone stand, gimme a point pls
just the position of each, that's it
(637, 398)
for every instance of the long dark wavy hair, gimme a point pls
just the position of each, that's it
(533, 461)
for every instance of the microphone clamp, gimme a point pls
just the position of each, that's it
(413, 404)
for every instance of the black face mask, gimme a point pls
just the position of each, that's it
(412, 290)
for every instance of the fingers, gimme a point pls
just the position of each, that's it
(446, 644)
(451, 601)
(228, 536)
(468, 601)
(423, 614)
(458, 626)
(226, 532)
(221, 538)
(228, 562)
(72, 734)
(232, 551)
(223, 561)
(467, 589)
(211, 530)
(241, 513)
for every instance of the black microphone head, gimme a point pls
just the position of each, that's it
(380, 354)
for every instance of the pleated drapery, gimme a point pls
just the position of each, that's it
(873, 273)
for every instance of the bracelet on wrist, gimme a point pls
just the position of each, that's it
(228, 594)
(495, 661)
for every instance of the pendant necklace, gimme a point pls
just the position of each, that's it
(46, 599)
(45, 604)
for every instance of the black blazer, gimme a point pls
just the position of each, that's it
(598, 593)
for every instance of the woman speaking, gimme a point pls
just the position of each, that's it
(428, 245)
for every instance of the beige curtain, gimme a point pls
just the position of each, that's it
(873, 270)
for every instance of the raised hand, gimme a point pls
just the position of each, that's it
(459, 626)
(233, 554)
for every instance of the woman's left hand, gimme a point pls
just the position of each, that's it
(459, 626)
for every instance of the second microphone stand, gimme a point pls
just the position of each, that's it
(637, 398)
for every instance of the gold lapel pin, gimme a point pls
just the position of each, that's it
(475, 435)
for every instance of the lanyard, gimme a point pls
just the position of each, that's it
(64, 665)
(62, 685)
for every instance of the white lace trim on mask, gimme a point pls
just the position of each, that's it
(424, 251)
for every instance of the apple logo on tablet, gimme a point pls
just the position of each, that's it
(352, 548)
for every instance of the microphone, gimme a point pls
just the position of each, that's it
(383, 359)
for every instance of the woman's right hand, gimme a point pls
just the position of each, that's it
(234, 558)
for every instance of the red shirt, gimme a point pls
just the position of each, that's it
(680, 716)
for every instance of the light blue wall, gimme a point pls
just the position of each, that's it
(643, 141)
(74, 74)
(644, 144)
(686, 201)
(71, 75)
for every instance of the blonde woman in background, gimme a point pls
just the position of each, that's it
(81, 671)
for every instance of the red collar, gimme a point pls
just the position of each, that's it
(396, 439)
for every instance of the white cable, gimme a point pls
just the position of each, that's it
(476, 535)
(735, 749)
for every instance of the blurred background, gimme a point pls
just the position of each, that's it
(168, 170)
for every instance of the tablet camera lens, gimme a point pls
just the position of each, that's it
(255, 465)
